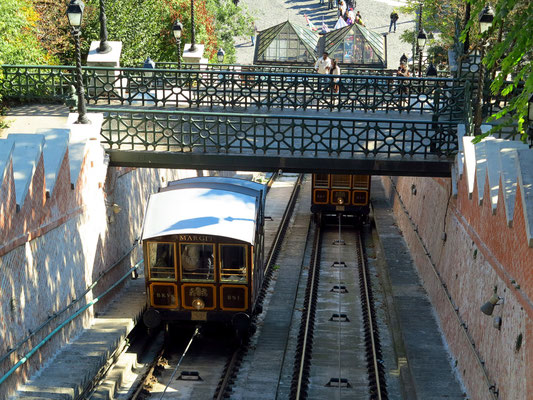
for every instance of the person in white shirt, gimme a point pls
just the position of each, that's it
(323, 66)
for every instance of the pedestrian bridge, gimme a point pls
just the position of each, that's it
(256, 120)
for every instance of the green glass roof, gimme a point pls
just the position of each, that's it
(306, 36)
(334, 39)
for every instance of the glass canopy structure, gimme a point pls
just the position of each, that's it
(286, 43)
(355, 45)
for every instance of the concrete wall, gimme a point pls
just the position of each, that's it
(459, 271)
(53, 248)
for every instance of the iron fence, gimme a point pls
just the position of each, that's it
(280, 135)
(238, 90)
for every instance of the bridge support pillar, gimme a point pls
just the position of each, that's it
(111, 60)
(196, 56)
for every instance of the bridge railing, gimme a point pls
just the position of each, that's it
(238, 90)
(296, 69)
(274, 135)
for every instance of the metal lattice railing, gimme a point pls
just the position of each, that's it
(280, 135)
(294, 69)
(239, 90)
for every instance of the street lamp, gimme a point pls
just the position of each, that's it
(104, 45)
(485, 18)
(177, 30)
(75, 16)
(530, 120)
(421, 41)
(220, 55)
(193, 36)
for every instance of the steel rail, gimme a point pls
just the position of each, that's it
(313, 287)
(368, 299)
(280, 234)
(271, 258)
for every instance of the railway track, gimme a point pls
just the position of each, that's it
(212, 358)
(338, 352)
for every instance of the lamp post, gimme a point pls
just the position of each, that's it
(421, 42)
(104, 45)
(193, 36)
(220, 55)
(486, 17)
(177, 30)
(530, 120)
(75, 16)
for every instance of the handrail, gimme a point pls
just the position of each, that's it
(226, 72)
(107, 110)
(27, 356)
(76, 300)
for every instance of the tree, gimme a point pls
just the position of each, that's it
(17, 30)
(509, 56)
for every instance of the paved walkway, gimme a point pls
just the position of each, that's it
(375, 13)
(427, 368)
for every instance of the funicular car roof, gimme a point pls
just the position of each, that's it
(216, 181)
(217, 209)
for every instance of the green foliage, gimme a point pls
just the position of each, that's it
(230, 21)
(438, 18)
(144, 27)
(19, 41)
(509, 54)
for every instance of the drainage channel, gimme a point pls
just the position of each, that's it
(338, 353)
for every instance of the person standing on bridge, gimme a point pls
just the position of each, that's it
(323, 66)
(335, 70)
(393, 18)
(253, 32)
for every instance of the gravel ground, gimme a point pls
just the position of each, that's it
(375, 13)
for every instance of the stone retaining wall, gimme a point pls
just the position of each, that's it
(462, 251)
(53, 248)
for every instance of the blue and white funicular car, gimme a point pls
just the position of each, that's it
(203, 251)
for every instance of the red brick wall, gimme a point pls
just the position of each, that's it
(479, 252)
(54, 248)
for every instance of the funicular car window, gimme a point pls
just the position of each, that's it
(233, 263)
(197, 261)
(340, 181)
(321, 180)
(162, 263)
(360, 181)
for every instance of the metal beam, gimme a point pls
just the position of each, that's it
(437, 167)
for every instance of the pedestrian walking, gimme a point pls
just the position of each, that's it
(403, 71)
(393, 18)
(323, 66)
(335, 70)
(358, 19)
(330, 4)
(342, 9)
(253, 32)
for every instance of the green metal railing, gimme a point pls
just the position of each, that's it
(238, 90)
(296, 69)
(278, 135)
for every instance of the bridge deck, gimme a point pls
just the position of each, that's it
(379, 143)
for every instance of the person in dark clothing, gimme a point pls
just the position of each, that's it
(393, 18)
(403, 59)
(431, 71)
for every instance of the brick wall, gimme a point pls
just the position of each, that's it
(480, 251)
(54, 248)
